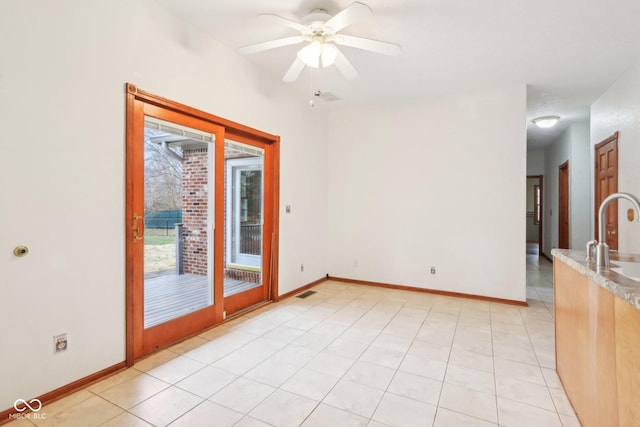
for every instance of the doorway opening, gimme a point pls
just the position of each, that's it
(534, 215)
(243, 218)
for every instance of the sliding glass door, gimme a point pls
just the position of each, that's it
(179, 202)
(175, 209)
(201, 221)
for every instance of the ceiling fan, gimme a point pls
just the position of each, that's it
(320, 32)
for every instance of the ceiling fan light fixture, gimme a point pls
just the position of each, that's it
(322, 34)
(310, 54)
(329, 54)
(318, 53)
(546, 121)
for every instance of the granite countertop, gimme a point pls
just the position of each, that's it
(621, 286)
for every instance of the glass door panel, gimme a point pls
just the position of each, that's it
(244, 219)
(179, 216)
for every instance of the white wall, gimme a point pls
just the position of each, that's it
(531, 193)
(555, 155)
(424, 184)
(573, 146)
(580, 187)
(533, 230)
(536, 166)
(535, 162)
(618, 109)
(62, 170)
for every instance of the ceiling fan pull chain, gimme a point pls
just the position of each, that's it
(317, 91)
(315, 86)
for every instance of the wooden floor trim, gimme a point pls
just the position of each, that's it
(68, 389)
(430, 291)
(243, 312)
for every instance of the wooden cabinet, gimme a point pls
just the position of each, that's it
(597, 350)
(628, 362)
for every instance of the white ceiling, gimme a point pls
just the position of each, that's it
(567, 51)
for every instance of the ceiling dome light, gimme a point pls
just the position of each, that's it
(546, 121)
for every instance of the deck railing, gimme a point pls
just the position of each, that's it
(251, 239)
(250, 242)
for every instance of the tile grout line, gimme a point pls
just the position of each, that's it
(493, 364)
(453, 339)
(386, 390)
(342, 376)
(303, 366)
(539, 366)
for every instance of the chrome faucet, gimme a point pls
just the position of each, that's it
(602, 249)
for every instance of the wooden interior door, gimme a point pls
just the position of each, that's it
(606, 182)
(249, 219)
(563, 206)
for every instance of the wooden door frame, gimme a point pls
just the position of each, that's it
(541, 219)
(596, 195)
(135, 100)
(239, 302)
(563, 168)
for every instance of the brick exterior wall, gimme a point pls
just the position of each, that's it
(195, 204)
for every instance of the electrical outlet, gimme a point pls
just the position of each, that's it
(60, 343)
(301, 267)
(433, 270)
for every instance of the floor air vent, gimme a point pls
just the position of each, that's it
(306, 294)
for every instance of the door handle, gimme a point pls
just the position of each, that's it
(138, 228)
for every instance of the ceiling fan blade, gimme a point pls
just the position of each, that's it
(294, 71)
(347, 16)
(384, 48)
(345, 67)
(259, 47)
(284, 21)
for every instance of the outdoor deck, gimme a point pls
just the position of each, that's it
(170, 295)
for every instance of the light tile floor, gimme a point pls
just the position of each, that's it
(350, 355)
